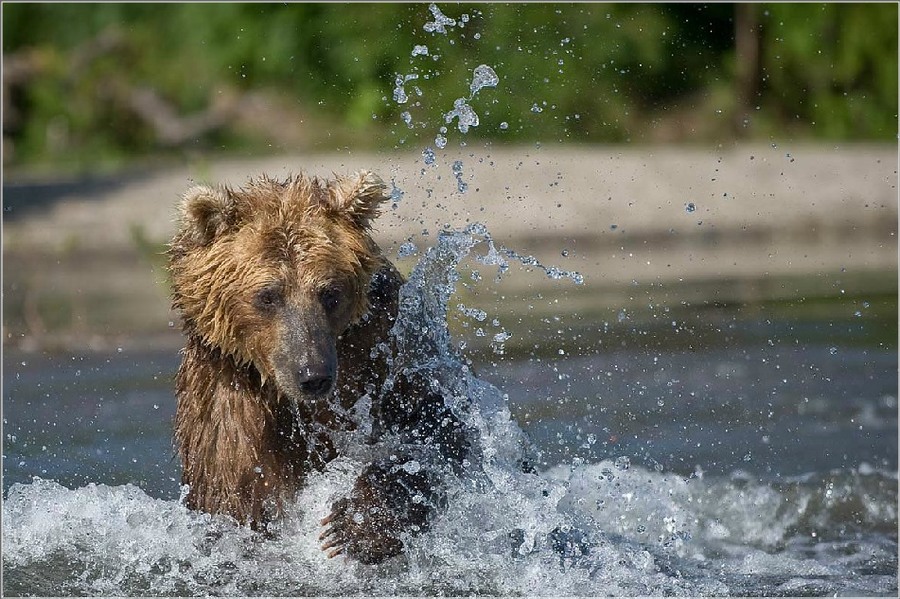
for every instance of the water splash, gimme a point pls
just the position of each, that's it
(462, 112)
(407, 249)
(499, 256)
(396, 195)
(465, 115)
(400, 95)
(483, 76)
(440, 23)
(477, 314)
(421, 330)
(461, 185)
(589, 530)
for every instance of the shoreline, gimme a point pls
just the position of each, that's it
(658, 224)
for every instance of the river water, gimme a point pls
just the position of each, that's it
(761, 464)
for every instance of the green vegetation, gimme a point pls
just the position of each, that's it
(86, 84)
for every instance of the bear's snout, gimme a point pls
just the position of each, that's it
(306, 377)
(315, 383)
(306, 363)
(305, 360)
(308, 374)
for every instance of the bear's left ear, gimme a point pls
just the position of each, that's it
(358, 196)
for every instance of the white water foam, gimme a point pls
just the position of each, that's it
(522, 534)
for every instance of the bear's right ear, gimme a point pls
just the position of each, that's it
(208, 212)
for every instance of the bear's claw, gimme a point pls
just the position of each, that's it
(361, 529)
(331, 537)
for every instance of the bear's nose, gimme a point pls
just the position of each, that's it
(315, 385)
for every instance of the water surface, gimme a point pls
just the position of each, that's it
(761, 464)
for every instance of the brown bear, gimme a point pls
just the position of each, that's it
(287, 304)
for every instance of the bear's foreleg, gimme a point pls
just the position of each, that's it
(385, 502)
(398, 496)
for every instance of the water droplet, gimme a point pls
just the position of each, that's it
(466, 116)
(690, 207)
(483, 76)
(396, 193)
(461, 185)
(622, 463)
(400, 96)
(440, 23)
(479, 315)
(407, 249)
(504, 126)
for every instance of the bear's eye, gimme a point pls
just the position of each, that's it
(268, 298)
(330, 298)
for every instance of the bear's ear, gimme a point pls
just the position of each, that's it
(208, 212)
(359, 196)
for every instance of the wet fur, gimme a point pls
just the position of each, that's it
(247, 439)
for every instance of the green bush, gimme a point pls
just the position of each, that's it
(568, 72)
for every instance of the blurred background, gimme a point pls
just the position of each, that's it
(609, 129)
(99, 86)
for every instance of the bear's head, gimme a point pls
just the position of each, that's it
(271, 274)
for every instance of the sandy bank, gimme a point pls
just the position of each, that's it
(624, 217)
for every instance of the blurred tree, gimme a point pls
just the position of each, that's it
(830, 70)
(90, 82)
